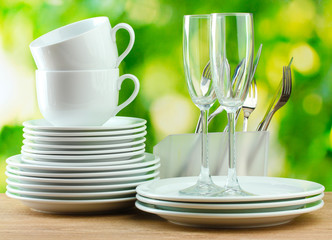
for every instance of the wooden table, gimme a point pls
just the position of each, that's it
(19, 222)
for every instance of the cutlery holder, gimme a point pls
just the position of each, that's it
(180, 154)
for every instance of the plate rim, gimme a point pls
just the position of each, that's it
(255, 198)
(320, 204)
(86, 128)
(83, 134)
(231, 206)
(97, 181)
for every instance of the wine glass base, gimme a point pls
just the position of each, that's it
(202, 189)
(234, 192)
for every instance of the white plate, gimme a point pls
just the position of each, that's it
(83, 181)
(116, 156)
(83, 152)
(72, 188)
(75, 206)
(83, 134)
(85, 140)
(115, 123)
(262, 188)
(147, 160)
(99, 195)
(230, 207)
(86, 163)
(16, 161)
(46, 146)
(230, 220)
(93, 171)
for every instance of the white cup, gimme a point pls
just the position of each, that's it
(81, 98)
(87, 44)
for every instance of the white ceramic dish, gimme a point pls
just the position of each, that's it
(82, 181)
(89, 171)
(262, 188)
(109, 194)
(66, 147)
(115, 123)
(83, 152)
(86, 163)
(230, 220)
(114, 156)
(84, 134)
(86, 140)
(88, 188)
(148, 159)
(75, 206)
(230, 207)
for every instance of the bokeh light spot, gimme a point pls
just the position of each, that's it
(173, 114)
(306, 59)
(312, 104)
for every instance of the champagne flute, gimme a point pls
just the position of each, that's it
(231, 54)
(196, 33)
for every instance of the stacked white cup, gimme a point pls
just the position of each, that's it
(78, 78)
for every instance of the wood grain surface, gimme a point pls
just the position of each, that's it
(19, 222)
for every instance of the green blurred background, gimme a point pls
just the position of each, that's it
(301, 134)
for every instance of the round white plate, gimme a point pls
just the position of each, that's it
(47, 187)
(230, 220)
(115, 123)
(85, 163)
(262, 188)
(83, 181)
(83, 152)
(83, 134)
(148, 159)
(85, 140)
(89, 171)
(75, 206)
(46, 146)
(230, 207)
(44, 157)
(110, 194)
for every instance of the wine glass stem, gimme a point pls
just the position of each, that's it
(232, 178)
(205, 172)
(245, 124)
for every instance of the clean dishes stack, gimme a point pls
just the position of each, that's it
(81, 169)
(81, 158)
(274, 201)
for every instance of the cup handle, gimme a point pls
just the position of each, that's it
(131, 40)
(132, 96)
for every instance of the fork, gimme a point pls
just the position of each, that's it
(249, 104)
(286, 90)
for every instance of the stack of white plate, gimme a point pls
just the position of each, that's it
(81, 169)
(274, 201)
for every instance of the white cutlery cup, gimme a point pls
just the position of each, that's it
(87, 44)
(180, 154)
(81, 98)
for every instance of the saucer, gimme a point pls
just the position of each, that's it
(86, 140)
(94, 146)
(28, 149)
(84, 134)
(114, 123)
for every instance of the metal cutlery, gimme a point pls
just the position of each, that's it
(220, 109)
(280, 98)
(249, 104)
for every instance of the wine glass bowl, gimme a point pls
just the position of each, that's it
(231, 56)
(197, 66)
